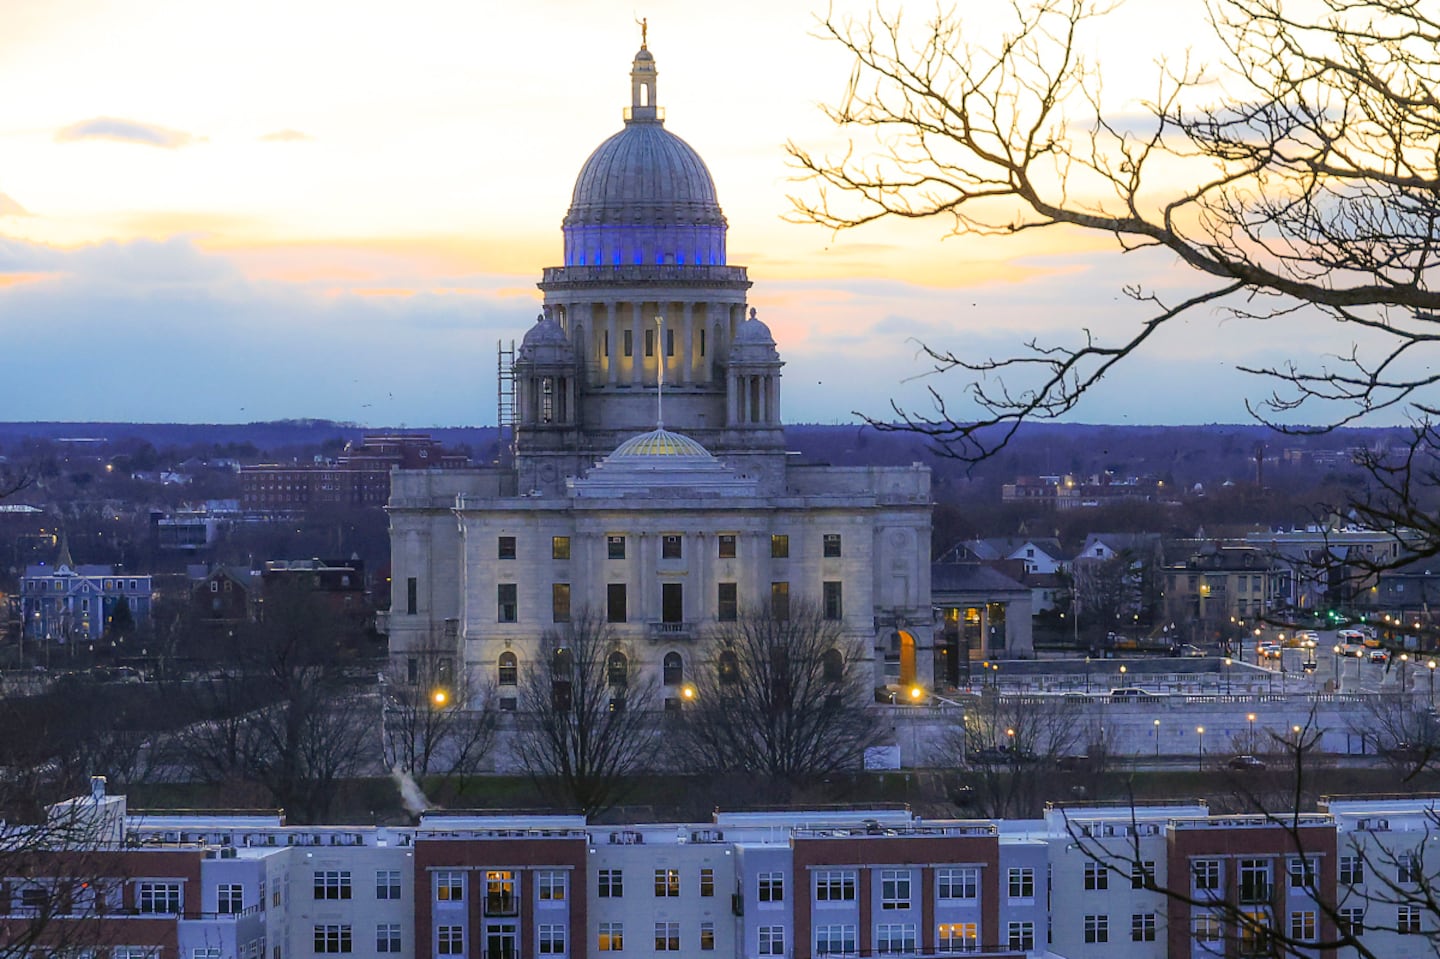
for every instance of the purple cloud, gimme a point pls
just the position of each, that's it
(126, 131)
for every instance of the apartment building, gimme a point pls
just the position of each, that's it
(1111, 881)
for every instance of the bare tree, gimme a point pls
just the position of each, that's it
(1012, 746)
(1298, 174)
(282, 707)
(437, 724)
(784, 698)
(1400, 730)
(588, 723)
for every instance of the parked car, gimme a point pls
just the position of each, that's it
(1246, 762)
(1188, 650)
(1130, 694)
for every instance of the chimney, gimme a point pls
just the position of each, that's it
(97, 789)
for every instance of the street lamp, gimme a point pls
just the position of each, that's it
(1200, 731)
(1404, 665)
(1431, 666)
(1157, 739)
(1250, 718)
(1122, 676)
(1227, 675)
(1335, 661)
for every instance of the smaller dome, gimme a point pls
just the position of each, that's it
(754, 331)
(545, 342)
(659, 442)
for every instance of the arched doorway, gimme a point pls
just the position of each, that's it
(900, 659)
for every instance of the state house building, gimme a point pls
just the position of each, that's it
(650, 482)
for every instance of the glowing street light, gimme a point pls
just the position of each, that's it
(1157, 739)
(1200, 731)
(439, 697)
(1250, 718)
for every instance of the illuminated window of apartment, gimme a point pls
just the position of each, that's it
(559, 547)
(779, 546)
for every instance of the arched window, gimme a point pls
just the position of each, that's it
(729, 665)
(617, 669)
(832, 666)
(509, 672)
(674, 670)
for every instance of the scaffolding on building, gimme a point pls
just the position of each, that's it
(505, 411)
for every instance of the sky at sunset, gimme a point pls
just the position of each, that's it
(223, 212)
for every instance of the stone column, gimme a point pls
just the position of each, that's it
(637, 345)
(687, 349)
(612, 334)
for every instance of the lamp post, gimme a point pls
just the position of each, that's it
(1431, 666)
(1157, 739)
(1250, 718)
(1335, 661)
(1404, 665)
(1122, 677)
(1227, 675)
(1200, 731)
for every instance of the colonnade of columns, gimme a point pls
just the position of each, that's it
(626, 345)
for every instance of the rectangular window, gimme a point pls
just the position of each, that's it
(450, 885)
(550, 885)
(667, 883)
(779, 546)
(1021, 883)
(1352, 870)
(615, 547)
(500, 897)
(506, 548)
(707, 882)
(702, 341)
(894, 889)
(1255, 939)
(627, 342)
(1207, 874)
(953, 937)
(727, 603)
(770, 887)
(835, 940)
(1020, 936)
(780, 601)
(615, 602)
(1302, 926)
(1096, 876)
(1407, 920)
(649, 342)
(605, 343)
(1142, 927)
(507, 604)
(610, 884)
(670, 546)
(332, 938)
(1255, 881)
(450, 941)
(158, 897)
(1142, 874)
(835, 885)
(387, 937)
(560, 602)
(1097, 929)
(229, 898)
(707, 936)
(387, 884)
(957, 882)
(1352, 921)
(412, 591)
(559, 547)
(894, 938)
(551, 939)
(1207, 928)
(1407, 867)
(667, 937)
(725, 545)
(833, 603)
(831, 546)
(1304, 872)
(669, 342)
(612, 937)
(772, 940)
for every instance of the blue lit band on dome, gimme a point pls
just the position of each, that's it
(644, 197)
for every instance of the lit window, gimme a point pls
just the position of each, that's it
(667, 883)
(779, 546)
(612, 936)
(559, 547)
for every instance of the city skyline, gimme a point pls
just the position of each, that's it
(209, 215)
